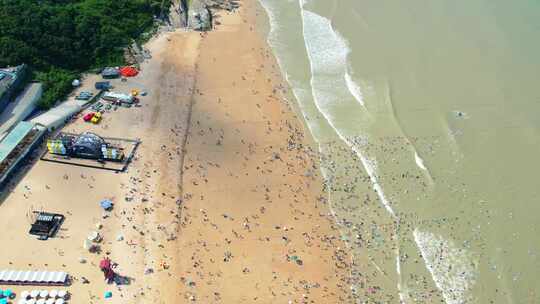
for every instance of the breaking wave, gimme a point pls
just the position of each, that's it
(451, 268)
(355, 90)
(327, 52)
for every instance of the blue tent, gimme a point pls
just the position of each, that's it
(106, 204)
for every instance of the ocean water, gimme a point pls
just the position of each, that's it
(427, 116)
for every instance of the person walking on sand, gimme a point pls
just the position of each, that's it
(106, 268)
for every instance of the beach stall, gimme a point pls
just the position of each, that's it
(117, 97)
(129, 71)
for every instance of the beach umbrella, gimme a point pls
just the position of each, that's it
(106, 204)
(40, 301)
(34, 293)
(53, 293)
(31, 301)
(44, 293)
(3, 301)
(62, 294)
(50, 301)
(25, 294)
(59, 301)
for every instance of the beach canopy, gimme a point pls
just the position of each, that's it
(10, 277)
(129, 71)
(106, 204)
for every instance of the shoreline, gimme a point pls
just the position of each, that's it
(262, 18)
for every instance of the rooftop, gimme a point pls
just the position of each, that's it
(20, 108)
(13, 138)
(8, 76)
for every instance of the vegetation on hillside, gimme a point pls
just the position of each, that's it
(59, 39)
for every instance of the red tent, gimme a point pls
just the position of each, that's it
(129, 71)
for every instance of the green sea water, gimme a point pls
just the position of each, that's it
(427, 115)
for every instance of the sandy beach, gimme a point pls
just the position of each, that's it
(223, 202)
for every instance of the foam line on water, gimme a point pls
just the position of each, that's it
(272, 39)
(422, 165)
(323, 44)
(355, 89)
(302, 95)
(451, 268)
(327, 53)
(419, 161)
(403, 297)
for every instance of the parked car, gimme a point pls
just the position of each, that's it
(103, 85)
(97, 106)
(97, 118)
(88, 117)
(83, 97)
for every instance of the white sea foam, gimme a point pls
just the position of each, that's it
(451, 268)
(403, 297)
(327, 49)
(327, 52)
(274, 24)
(419, 161)
(355, 89)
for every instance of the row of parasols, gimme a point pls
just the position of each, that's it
(43, 297)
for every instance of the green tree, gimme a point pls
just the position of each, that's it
(59, 39)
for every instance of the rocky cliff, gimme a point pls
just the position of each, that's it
(201, 12)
